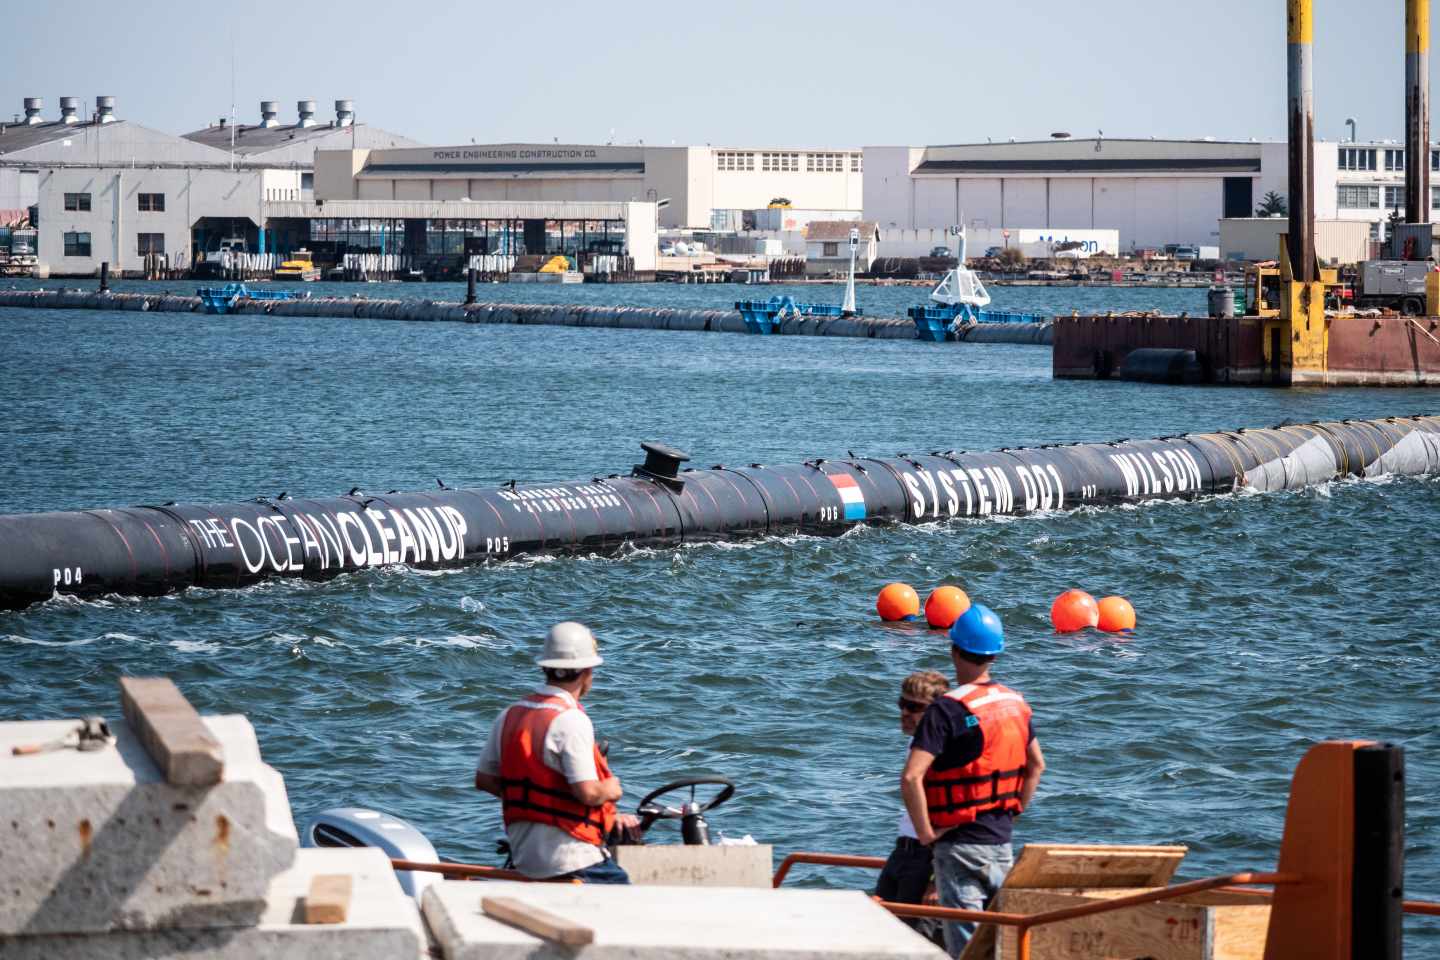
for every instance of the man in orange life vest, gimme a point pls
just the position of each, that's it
(555, 787)
(973, 767)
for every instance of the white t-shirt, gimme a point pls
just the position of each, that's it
(906, 826)
(540, 850)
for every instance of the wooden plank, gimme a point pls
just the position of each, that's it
(533, 920)
(171, 731)
(1055, 865)
(328, 900)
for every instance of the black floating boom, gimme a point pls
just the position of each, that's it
(153, 550)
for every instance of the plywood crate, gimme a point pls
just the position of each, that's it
(1203, 926)
(1052, 876)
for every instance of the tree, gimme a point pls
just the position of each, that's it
(1271, 205)
(1011, 258)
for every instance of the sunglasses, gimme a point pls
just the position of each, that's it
(912, 706)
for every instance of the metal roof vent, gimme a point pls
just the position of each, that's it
(344, 113)
(69, 110)
(268, 113)
(105, 109)
(307, 113)
(32, 110)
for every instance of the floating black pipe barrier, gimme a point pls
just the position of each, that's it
(153, 550)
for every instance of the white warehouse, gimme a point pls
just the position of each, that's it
(1154, 192)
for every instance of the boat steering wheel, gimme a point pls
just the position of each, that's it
(649, 811)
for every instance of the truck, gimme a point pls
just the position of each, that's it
(1393, 285)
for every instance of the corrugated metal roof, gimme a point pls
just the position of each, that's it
(1100, 164)
(830, 231)
(251, 140)
(15, 137)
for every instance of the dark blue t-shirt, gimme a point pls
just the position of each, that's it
(952, 733)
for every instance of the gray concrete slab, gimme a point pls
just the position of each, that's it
(674, 923)
(97, 841)
(383, 924)
(678, 865)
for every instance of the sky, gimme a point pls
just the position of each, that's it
(836, 73)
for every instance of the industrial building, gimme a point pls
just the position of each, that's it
(695, 187)
(1154, 192)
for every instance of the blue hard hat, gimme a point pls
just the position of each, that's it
(978, 631)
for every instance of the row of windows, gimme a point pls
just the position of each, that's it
(734, 160)
(1368, 198)
(1363, 158)
(148, 202)
(77, 244)
(789, 162)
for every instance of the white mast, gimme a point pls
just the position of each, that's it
(848, 308)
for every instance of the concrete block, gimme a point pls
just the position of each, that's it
(383, 923)
(676, 865)
(673, 923)
(98, 841)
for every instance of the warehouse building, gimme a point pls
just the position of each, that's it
(1154, 192)
(695, 187)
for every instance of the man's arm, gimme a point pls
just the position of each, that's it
(912, 790)
(1034, 766)
(595, 793)
(487, 782)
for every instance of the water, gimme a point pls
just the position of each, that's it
(1267, 623)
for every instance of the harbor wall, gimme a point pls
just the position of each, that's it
(563, 315)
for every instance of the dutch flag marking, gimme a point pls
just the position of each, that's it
(850, 495)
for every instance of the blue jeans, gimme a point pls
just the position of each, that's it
(606, 871)
(967, 877)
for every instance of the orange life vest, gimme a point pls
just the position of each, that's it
(530, 790)
(991, 781)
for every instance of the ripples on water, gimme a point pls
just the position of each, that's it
(1266, 622)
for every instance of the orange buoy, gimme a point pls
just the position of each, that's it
(1116, 615)
(898, 601)
(944, 606)
(1074, 610)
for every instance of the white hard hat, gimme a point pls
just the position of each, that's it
(570, 646)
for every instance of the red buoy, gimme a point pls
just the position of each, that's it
(898, 601)
(944, 606)
(1074, 610)
(1116, 615)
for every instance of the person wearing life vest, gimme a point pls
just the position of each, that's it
(556, 790)
(973, 767)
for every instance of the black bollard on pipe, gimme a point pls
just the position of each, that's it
(470, 287)
(105, 276)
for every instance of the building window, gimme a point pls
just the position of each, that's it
(780, 162)
(77, 244)
(1394, 198)
(857, 163)
(1357, 158)
(148, 243)
(1434, 198)
(77, 201)
(824, 163)
(1394, 160)
(734, 160)
(1435, 159)
(153, 202)
(1358, 197)
(831, 250)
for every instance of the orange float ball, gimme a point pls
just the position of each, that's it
(1074, 610)
(1116, 615)
(898, 601)
(944, 606)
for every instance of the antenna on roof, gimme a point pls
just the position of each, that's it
(232, 98)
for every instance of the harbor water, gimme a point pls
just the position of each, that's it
(1266, 622)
